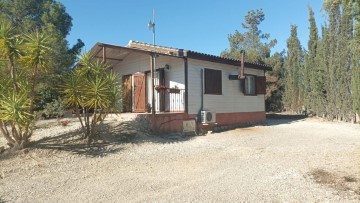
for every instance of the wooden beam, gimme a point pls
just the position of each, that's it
(133, 50)
(104, 54)
(152, 64)
(109, 58)
(95, 54)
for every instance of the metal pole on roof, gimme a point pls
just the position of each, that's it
(151, 25)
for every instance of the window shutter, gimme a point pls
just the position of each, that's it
(260, 85)
(213, 81)
(242, 85)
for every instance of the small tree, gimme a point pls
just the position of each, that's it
(293, 94)
(92, 87)
(25, 57)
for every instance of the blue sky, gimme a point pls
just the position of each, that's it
(196, 25)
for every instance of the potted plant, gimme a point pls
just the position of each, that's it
(148, 107)
(160, 88)
(174, 90)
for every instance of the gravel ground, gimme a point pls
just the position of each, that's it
(305, 160)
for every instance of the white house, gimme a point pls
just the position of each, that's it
(190, 88)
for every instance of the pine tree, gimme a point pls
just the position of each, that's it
(293, 98)
(252, 41)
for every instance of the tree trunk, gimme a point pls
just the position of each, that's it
(79, 117)
(5, 132)
(13, 75)
(32, 90)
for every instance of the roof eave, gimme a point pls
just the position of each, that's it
(228, 61)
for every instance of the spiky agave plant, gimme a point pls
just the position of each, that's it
(94, 89)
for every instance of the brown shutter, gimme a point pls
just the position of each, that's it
(213, 81)
(260, 85)
(242, 85)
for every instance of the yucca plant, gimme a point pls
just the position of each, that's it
(24, 57)
(15, 118)
(10, 49)
(36, 58)
(94, 89)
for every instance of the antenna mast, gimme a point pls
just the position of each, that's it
(151, 25)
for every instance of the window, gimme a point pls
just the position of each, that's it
(213, 81)
(250, 85)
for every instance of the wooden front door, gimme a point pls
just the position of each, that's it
(127, 93)
(139, 93)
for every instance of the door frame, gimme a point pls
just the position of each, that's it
(130, 96)
(142, 93)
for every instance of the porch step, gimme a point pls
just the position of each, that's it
(123, 116)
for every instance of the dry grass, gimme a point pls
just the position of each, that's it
(344, 184)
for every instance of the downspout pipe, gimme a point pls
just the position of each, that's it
(201, 94)
(202, 90)
(241, 70)
(186, 85)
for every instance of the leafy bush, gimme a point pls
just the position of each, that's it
(54, 109)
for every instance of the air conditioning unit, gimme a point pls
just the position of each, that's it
(208, 117)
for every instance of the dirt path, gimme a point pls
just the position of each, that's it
(286, 161)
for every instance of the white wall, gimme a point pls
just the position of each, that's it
(231, 100)
(137, 62)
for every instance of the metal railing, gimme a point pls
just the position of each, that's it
(170, 100)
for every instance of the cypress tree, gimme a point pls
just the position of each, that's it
(344, 61)
(311, 70)
(356, 61)
(274, 83)
(293, 98)
(339, 65)
(319, 81)
(333, 108)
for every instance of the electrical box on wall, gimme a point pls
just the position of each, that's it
(189, 126)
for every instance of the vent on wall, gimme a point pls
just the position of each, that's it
(208, 117)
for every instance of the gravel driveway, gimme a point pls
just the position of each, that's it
(285, 160)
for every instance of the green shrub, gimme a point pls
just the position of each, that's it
(54, 109)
